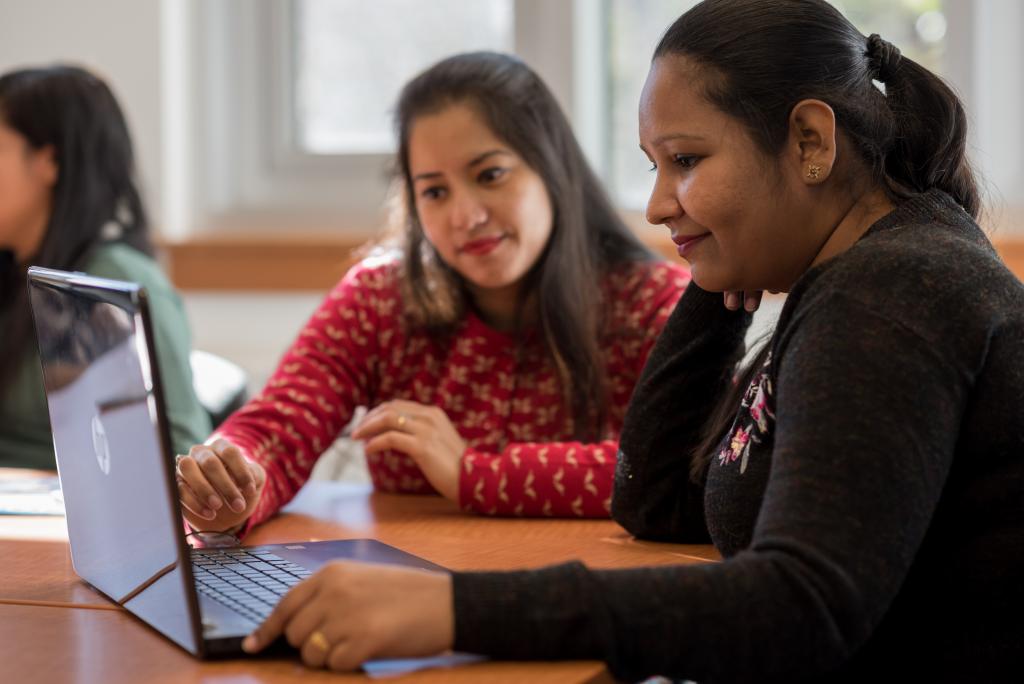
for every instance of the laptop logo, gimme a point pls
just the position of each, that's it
(100, 445)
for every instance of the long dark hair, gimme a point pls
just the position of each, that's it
(587, 240)
(759, 58)
(95, 198)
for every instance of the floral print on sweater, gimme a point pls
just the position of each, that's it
(754, 421)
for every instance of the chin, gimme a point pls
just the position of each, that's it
(711, 280)
(707, 279)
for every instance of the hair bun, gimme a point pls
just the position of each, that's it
(883, 57)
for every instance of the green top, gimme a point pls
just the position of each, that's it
(25, 439)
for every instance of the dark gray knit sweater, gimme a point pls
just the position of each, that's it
(869, 499)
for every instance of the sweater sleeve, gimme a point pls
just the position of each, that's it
(327, 372)
(574, 479)
(691, 364)
(864, 441)
(560, 479)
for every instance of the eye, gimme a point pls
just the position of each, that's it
(687, 161)
(491, 174)
(432, 193)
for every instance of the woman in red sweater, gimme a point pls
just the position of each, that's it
(497, 350)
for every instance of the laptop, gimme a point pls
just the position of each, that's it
(116, 470)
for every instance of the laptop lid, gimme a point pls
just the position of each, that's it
(113, 450)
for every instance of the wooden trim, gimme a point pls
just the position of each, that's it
(259, 262)
(1012, 254)
(317, 262)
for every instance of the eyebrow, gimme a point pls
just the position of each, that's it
(472, 162)
(674, 136)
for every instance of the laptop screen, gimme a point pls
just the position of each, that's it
(115, 468)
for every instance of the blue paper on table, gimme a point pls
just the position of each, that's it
(399, 666)
(31, 496)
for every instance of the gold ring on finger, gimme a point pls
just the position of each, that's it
(402, 420)
(319, 641)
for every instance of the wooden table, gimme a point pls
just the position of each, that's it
(54, 628)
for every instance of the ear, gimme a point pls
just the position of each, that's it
(44, 165)
(812, 140)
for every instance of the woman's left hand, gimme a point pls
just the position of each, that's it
(750, 300)
(348, 613)
(425, 433)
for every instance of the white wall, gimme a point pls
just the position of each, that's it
(253, 329)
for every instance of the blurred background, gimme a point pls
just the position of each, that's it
(263, 127)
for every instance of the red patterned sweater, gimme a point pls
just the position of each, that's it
(520, 458)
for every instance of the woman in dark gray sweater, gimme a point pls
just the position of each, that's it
(863, 478)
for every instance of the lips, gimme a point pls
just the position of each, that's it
(685, 243)
(482, 246)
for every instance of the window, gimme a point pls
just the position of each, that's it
(918, 27)
(293, 98)
(350, 58)
(634, 29)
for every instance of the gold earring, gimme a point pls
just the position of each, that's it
(814, 172)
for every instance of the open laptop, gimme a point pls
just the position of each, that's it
(116, 470)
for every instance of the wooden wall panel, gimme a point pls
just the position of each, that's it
(260, 263)
(1012, 252)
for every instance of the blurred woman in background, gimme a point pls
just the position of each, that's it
(69, 200)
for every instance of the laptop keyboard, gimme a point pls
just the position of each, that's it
(250, 582)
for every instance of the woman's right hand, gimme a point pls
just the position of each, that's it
(219, 488)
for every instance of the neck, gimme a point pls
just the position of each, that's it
(497, 306)
(860, 215)
(29, 239)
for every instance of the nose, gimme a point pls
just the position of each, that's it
(467, 210)
(663, 205)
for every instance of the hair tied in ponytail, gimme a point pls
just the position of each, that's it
(883, 58)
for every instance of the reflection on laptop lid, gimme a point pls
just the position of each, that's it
(116, 470)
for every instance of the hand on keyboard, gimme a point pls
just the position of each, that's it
(348, 613)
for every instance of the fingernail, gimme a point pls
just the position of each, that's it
(208, 514)
(732, 301)
(751, 304)
(249, 644)
(250, 489)
(214, 502)
(238, 505)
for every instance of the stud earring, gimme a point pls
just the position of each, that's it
(814, 172)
